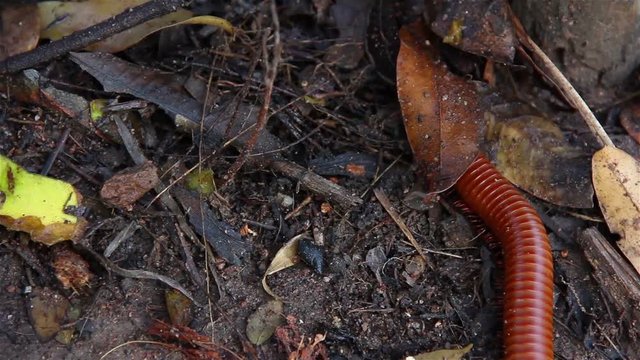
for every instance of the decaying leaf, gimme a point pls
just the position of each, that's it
(616, 179)
(445, 354)
(481, 27)
(18, 29)
(264, 321)
(38, 205)
(201, 181)
(179, 307)
(127, 186)
(47, 312)
(224, 238)
(532, 152)
(443, 113)
(286, 257)
(72, 270)
(630, 120)
(165, 90)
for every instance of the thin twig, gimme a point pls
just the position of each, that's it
(564, 86)
(269, 80)
(54, 155)
(386, 204)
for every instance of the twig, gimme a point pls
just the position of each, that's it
(316, 183)
(140, 274)
(80, 39)
(138, 157)
(123, 235)
(269, 80)
(54, 155)
(386, 204)
(564, 86)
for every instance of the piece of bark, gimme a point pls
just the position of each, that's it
(618, 280)
(620, 285)
(225, 240)
(129, 185)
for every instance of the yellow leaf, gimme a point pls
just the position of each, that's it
(36, 204)
(211, 21)
(444, 354)
(616, 179)
(59, 19)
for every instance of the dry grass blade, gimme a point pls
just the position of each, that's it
(560, 81)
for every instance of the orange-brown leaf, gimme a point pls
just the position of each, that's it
(442, 111)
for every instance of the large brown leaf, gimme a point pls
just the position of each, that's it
(443, 114)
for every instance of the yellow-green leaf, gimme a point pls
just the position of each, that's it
(264, 321)
(59, 19)
(36, 204)
(201, 181)
(445, 354)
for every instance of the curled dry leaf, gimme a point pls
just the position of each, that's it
(129, 185)
(286, 257)
(443, 113)
(38, 205)
(616, 179)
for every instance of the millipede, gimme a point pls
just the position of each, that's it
(444, 134)
(528, 263)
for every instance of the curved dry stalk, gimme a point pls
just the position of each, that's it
(560, 81)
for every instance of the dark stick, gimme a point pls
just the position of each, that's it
(54, 155)
(80, 39)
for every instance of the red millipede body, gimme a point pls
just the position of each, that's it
(528, 263)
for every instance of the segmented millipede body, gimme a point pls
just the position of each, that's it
(528, 263)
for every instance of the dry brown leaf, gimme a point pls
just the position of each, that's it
(443, 115)
(19, 29)
(616, 179)
(479, 27)
(71, 269)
